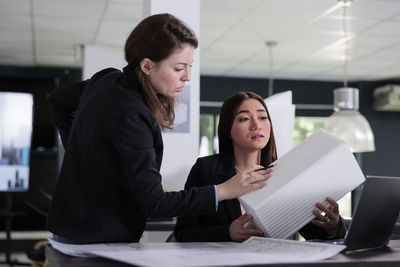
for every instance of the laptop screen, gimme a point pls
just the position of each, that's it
(375, 215)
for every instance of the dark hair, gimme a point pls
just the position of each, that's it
(226, 118)
(156, 38)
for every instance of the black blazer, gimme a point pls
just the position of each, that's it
(109, 182)
(217, 169)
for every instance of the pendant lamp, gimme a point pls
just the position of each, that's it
(346, 122)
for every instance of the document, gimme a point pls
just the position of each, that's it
(319, 167)
(281, 111)
(256, 250)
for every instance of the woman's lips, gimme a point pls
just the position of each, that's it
(257, 136)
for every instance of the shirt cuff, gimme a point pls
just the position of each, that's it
(216, 197)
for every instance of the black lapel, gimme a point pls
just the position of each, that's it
(226, 170)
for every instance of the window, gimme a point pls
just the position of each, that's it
(207, 134)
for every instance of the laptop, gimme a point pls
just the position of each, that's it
(374, 217)
(375, 214)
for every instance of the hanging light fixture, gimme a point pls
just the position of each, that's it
(346, 122)
(270, 45)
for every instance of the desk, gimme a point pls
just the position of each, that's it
(160, 225)
(386, 257)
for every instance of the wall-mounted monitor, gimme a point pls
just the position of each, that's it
(16, 113)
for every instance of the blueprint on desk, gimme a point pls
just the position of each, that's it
(256, 250)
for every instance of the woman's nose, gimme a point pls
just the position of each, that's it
(255, 126)
(186, 75)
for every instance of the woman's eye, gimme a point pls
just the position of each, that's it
(243, 119)
(178, 70)
(264, 118)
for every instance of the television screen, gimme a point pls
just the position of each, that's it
(15, 140)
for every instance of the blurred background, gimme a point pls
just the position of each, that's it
(314, 47)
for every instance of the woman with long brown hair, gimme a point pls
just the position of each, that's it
(111, 126)
(246, 138)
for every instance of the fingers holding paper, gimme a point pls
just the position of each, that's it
(244, 182)
(330, 219)
(239, 233)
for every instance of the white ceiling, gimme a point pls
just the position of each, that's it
(309, 35)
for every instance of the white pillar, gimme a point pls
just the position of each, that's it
(181, 145)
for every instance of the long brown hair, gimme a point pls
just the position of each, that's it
(226, 119)
(156, 38)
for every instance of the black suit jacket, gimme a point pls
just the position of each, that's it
(217, 169)
(109, 182)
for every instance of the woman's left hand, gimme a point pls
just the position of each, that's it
(331, 219)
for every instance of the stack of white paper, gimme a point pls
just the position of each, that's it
(282, 111)
(321, 166)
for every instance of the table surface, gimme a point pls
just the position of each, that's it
(384, 257)
(160, 225)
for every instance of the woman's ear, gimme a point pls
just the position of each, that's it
(146, 65)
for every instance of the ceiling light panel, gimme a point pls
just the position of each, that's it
(14, 37)
(241, 49)
(60, 38)
(274, 23)
(389, 54)
(111, 40)
(295, 7)
(243, 34)
(375, 41)
(396, 18)
(13, 48)
(65, 25)
(368, 64)
(221, 17)
(16, 7)
(72, 9)
(260, 62)
(213, 32)
(335, 26)
(216, 68)
(120, 27)
(15, 22)
(386, 28)
(371, 9)
(392, 71)
(131, 11)
(231, 5)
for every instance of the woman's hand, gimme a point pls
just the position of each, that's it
(239, 233)
(243, 182)
(331, 219)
